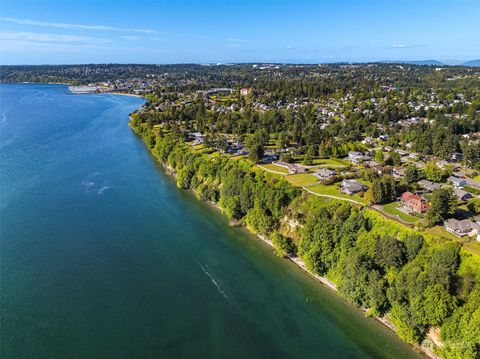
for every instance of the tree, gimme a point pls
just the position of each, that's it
(384, 189)
(308, 159)
(413, 243)
(474, 205)
(433, 172)
(379, 157)
(389, 252)
(283, 245)
(395, 159)
(255, 152)
(442, 205)
(411, 174)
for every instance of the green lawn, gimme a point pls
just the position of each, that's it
(473, 246)
(272, 167)
(391, 209)
(442, 232)
(334, 162)
(302, 179)
(332, 190)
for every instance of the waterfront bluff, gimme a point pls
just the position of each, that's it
(421, 283)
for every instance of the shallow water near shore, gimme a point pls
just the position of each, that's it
(103, 257)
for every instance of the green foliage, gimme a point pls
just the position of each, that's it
(284, 246)
(433, 172)
(256, 152)
(384, 189)
(415, 282)
(474, 205)
(443, 204)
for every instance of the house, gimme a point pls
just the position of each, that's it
(291, 167)
(462, 195)
(383, 137)
(414, 202)
(246, 91)
(472, 183)
(442, 164)
(351, 186)
(456, 156)
(358, 157)
(428, 186)
(462, 228)
(324, 174)
(269, 158)
(457, 182)
(197, 138)
(398, 172)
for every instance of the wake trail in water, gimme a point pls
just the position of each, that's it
(213, 281)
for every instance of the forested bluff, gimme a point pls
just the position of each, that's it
(419, 282)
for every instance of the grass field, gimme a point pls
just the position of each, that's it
(332, 190)
(442, 232)
(334, 162)
(391, 209)
(275, 168)
(302, 179)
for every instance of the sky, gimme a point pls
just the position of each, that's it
(215, 31)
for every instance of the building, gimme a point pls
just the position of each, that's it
(246, 91)
(324, 173)
(414, 202)
(462, 228)
(457, 182)
(358, 157)
(398, 172)
(197, 138)
(351, 186)
(292, 168)
(472, 183)
(462, 195)
(428, 186)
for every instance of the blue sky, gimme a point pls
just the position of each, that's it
(310, 31)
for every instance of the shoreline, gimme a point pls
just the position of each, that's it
(301, 264)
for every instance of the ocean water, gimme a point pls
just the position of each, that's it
(101, 256)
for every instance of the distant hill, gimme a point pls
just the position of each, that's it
(418, 62)
(472, 63)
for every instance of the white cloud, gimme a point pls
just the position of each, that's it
(53, 38)
(59, 25)
(237, 40)
(133, 38)
(399, 46)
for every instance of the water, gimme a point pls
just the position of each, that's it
(103, 257)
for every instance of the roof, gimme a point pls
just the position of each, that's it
(428, 185)
(325, 172)
(410, 195)
(465, 225)
(456, 179)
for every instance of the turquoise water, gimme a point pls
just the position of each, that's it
(103, 257)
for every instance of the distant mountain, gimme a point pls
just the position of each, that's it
(415, 62)
(472, 63)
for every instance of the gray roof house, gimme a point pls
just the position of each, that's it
(462, 228)
(351, 186)
(428, 186)
(462, 195)
(324, 173)
(457, 182)
(472, 183)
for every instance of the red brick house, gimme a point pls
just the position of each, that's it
(414, 202)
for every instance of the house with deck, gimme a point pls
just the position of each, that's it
(351, 186)
(414, 202)
(463, 228)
